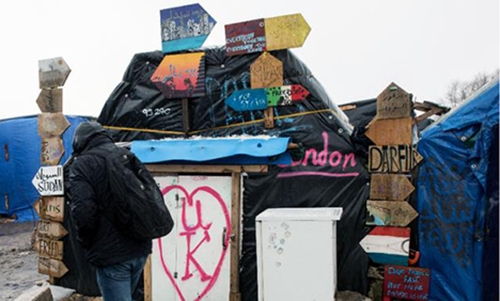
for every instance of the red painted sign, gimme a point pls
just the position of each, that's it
(245, 37)
(406, 283)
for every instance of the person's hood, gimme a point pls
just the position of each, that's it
(88, 135)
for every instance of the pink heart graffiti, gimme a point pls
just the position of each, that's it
(189, 230)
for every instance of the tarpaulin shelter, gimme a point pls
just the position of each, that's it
(21, 146)
(326, 170)
(458, 200)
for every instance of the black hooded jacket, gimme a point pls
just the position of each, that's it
(88, 191)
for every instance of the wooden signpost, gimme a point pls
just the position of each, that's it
(289, 31)
(393, 158)
(406, 283)
(48, 180)
(184, 27)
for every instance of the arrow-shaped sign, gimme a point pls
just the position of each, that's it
(52, 72)
(395, 187)
(391, 213)
(393, 158)
(266, 71)
(52, 151)
(184, 27)
(52, 124)
(52, 267)
(390, 131)
(49, 248)
(261, 35)
(50, 100)
(388, 245)
(49, 180)
(393, 102)
(260, 99)
(51, 208)
(51, 229)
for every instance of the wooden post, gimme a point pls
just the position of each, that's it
(148, 292)
(235, 294)
(185, 116)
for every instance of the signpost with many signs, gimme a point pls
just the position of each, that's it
(48, 180)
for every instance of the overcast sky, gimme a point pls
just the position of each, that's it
(355, 47)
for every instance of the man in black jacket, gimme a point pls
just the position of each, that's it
(119, 259)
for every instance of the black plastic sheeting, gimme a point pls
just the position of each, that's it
(329, 171)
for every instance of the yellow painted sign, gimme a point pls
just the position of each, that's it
(284, 32)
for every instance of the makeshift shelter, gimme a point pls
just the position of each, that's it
(326, 170)
(458, 200)
(21, 145)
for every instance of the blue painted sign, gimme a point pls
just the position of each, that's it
(248, 100)
(184, 27)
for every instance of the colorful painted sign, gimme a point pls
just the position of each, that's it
(268, 34)
(49, 180)
(406, 283)
(390, 187)
(390, 213)
(181, 75)
(184, 27)
(52, 124)
(259, 99)
(52, 72)
(266, 71)
(393, 102)
(50, 100)
(388, 245)
(393, 158)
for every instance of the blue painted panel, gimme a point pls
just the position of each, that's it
(248, 100)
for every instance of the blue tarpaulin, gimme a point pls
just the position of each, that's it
(21, 146)
(452, 196)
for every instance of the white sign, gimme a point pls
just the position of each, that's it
(49, 180)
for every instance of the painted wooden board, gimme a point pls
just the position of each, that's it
(50, 100)
(50, 208)
(52, 151)
(393, 158)
(181, 75)
(282, 32)
(52, 124)
(52, 72)
(407, 283)
(393, 102)
(49, 248)
(245, 37)
(49, 180)
(285, 32)
(51, 229)
(390, 131)
(52, 267)
(390, 187)
(387, 245)
(266, 71)
(390, 213)
(184, 27)
(259, 99)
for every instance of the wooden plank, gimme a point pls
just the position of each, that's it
(52, 72)
(49, 248)
(51, 208)
(50, 100)
(185, 27)
(406, 283)
(51, 267)
(51, 229)
(390, 187)
(174, 169)
(269, 118)
(393, 102)
(390, 131)
(393, 158)
(185, 115)
(236, 236)
(390, 213)
(266, 71)
(52, 124)
(52, 151)
(148, 288)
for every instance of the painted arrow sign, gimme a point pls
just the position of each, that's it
(52, 72)
(51, 229)
(184, 27)
(390, 187)
(388, 245)
(50, 100)
(289, 31)
(48, 180)
(260, 99)
(390, 213)
(52, 267)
